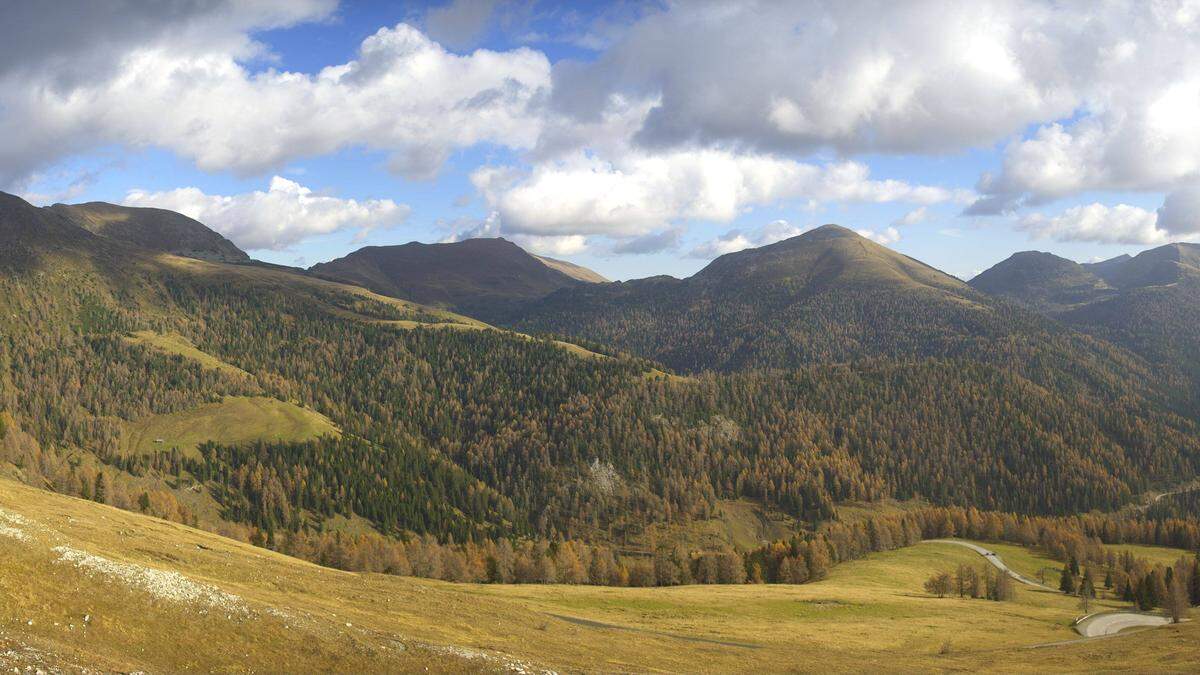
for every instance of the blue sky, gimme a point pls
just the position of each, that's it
(584, 130)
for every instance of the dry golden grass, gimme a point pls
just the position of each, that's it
(868, 615)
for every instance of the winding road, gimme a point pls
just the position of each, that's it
(1102, 624)
(1111, 623)
(992, 558)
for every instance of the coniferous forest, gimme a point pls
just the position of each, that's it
(457, 438)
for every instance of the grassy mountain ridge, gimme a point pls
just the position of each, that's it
(480, 277)
(153, 229)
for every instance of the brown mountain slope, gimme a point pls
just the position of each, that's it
(572, 270)
(153, 229)
(826, 295)
(477, 276)
(1042, 281)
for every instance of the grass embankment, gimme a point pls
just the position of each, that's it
(235, 420)
(868, 614)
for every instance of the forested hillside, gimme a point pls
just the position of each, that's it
(457, 431)
(1149, 303)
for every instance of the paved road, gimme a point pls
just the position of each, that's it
(1111, 623)
(1097, 625)
(992, 558)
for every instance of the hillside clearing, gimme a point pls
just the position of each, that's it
(235, 420)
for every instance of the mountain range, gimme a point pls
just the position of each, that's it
(1148, 303)
(146, 354)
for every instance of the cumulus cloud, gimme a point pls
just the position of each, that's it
(913, 217)
(491, 227)
(897, 77)
(1120, 224)
(68, 42)
(737, 240)
(1178, 219)
(403, 94)
(887, 236)
(637, 193)
(691, 111)
(1180, 212)
(655, 242)
(283, 215)
(1112, 90)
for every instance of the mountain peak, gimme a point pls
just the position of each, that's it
(1041, 280)
(1156, 267)
(153, 229)
(828, 255)
(474, 276)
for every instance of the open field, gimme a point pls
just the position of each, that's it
(1157, 554)
(237, 419)
(257, 607)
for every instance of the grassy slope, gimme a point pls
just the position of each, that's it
(237, 419)
(1157, 554)
(178, 345)
(868, 612)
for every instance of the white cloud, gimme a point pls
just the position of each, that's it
(403, 94)
(491, 227)
(636, 193)
(897, 77)
(690, 111)
(1178, 219)
(913, 217)
(1180, 212)
(1112, 89)
(737, 240)
(886, 236)
(552, 245)
(283, 215)
(1120, 224)
(774, 231)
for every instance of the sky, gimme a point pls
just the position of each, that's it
(636, 138)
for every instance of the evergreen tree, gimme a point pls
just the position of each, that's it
(100, 491)
(1066, 582)
(1195, 582)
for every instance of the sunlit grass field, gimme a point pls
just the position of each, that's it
(868, 614)
(236, 419)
